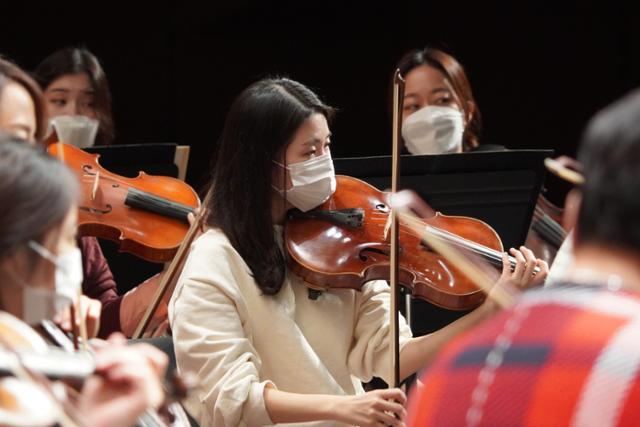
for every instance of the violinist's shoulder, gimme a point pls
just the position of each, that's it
(212, 236)
(214, 250)
(212, 242)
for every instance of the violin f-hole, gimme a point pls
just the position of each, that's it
(380, 250)
(106, 210)
(365, 257)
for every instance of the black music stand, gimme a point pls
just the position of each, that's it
(127, 160)
(498, 187)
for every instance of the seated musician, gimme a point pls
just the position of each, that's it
(566, 354)
(264, 351)
(40, 265)
(74, 83)
(440, 115)
(24, 113)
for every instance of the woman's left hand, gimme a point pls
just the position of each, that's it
(523, 275)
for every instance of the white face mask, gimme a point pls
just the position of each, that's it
(433, 130)
(79, 131)
(313, 182)
(41, 303)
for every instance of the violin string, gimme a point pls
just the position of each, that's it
(550, 233)
(545, 227)
(553, 225)
(488, 253)
(466, 243)
(468, 268)
(553, 228)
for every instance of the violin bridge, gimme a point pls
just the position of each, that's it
(387, 226)
(96, 182)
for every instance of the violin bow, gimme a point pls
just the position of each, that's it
(175, 267)
(398, 94)
(75, 310)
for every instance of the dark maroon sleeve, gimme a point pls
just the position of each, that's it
(98, 284)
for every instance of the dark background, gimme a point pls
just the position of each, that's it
(175, 68)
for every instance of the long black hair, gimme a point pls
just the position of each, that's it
(260, 125)
(74, 60)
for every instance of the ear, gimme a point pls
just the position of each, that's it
(571, 211)
(470, 112)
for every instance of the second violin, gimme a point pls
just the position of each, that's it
(146, 215)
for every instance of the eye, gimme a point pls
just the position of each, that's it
(58, 102)
(88, 104)
(444, 100)
(411, 107)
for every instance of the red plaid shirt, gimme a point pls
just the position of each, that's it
(567, 355)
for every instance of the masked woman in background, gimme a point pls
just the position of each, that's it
(74, 84)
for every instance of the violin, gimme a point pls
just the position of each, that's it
(345, 243)
(26, 364)
(25, 351)
(24, 403)
(146, 215)
(546, 233)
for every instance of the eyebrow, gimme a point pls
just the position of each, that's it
(63, 90)
(436, 90)
(314, 141)
(441, 89)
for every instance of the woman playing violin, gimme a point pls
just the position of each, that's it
(23, 112)
(40, 267)
(264, 350)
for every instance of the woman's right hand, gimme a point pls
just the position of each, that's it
(375, 408)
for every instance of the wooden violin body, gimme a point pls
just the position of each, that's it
(344, 244)
(145, 215)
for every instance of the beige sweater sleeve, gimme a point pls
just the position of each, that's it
(370, 354)
(210, 341)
